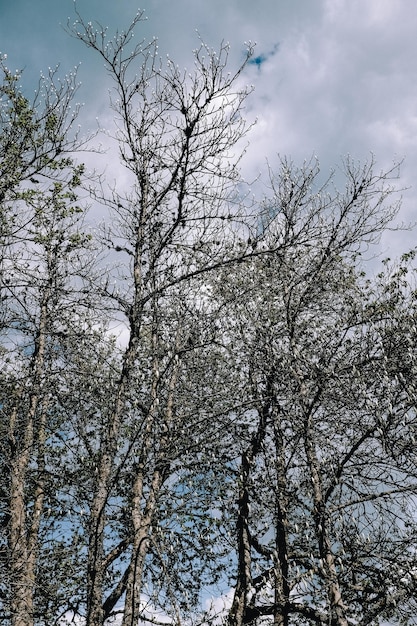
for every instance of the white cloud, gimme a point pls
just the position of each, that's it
(217, 607)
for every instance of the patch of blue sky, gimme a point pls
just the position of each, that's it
(260, 59)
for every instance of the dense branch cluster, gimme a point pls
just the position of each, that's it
(250, 436)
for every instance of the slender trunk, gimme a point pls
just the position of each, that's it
(23, 541)
(337, 607)
(243, 584)
(96, 563)
(143, 514)
(39, 496)
(238, 613)
(21, 578)
(96, 568)
(142, 521)
(281, 590)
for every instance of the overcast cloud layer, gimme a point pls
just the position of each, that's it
(331, 77)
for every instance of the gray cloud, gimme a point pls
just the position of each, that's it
(343, 80)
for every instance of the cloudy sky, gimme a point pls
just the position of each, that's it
(331, 77)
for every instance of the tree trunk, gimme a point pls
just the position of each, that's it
(142, 515)
(240, 599)
(96, 563)
(142, 523)
(238, 612)
(22, 576)
(336, 606)
(23, 541)
(282, 590)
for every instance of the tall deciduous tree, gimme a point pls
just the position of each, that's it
(40, 299)
(325, 505)
(41, 250)
(178, 222)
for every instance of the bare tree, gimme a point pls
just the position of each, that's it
(316, 488)
(180, 221)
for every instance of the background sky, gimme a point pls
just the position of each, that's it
(332, 77)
